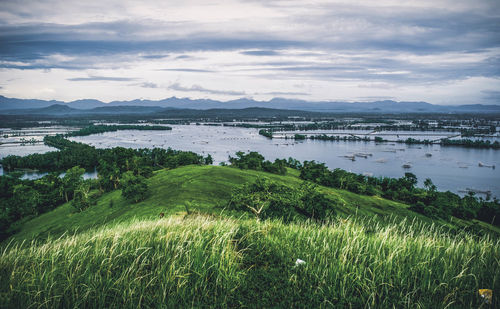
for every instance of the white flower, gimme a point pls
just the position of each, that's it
(299, 262)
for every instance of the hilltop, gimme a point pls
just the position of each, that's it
(373, 253)
(205, 189)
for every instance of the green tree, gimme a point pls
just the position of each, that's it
(81, 198)
(71, 180)
(267, 199)
(27, 200)
(133, 187)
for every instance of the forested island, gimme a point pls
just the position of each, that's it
(96, 129)
(464, 142)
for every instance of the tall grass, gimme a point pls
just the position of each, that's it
(212, 262)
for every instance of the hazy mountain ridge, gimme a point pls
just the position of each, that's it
(387, 106)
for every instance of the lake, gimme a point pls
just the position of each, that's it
(450, 168)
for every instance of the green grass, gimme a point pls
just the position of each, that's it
(203, 188)
(222, 262)
(375, 253)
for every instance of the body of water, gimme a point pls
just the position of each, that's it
(450, 168)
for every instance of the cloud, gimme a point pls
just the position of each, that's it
(148, 85)
(198, 88)
(101, 78)
(187, 70)
(154, 56)
(382, 48)
(278, 93)
(492, 96)
(260, 53)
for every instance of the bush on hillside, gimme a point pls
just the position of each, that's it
(255, 161)
(134, 187)
(267, 199)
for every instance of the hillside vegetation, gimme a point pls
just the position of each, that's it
(216, 262)
(205, 189)
(372, 253)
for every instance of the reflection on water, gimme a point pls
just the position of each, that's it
(31, 175)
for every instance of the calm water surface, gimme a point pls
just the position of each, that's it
(450, 168)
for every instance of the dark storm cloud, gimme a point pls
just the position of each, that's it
(33, 42)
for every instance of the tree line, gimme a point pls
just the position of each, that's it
(95, 129)
(427, 201)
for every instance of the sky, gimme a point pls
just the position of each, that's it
(439, 51)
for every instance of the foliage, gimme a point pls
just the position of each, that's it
(299, 137)
(82, 198)
(208, 189)
(428, 201)
(471, 143)
(96, 129)
(133, 187)
(71, 181)
(255, 161)
(217, 263)
(33, 197)
(73, 153)
(266, 133)
(268, 199)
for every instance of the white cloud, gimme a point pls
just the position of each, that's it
(444, 51)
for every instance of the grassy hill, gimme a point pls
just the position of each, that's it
(375, 253)
(201, 188)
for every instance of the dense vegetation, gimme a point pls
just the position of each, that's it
(95, 129)
(427, 201)
(266, 133)
(115, 255)
(118, 168)
(220, 263)
(471, 143)
(255, 161)
(268, 199)
(118, 257)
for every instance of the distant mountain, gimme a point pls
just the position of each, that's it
(55, 109)
(11, 103)
(123, 110)
(65, 109)
(140, 106)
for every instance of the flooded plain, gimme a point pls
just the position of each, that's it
(450, 168)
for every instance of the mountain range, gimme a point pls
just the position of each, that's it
(86, 106)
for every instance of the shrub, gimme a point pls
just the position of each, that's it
(267, 199)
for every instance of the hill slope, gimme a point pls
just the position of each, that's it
(124, 256)
(205, 189)
(219, 263)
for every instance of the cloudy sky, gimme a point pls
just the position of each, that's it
(439, 51)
